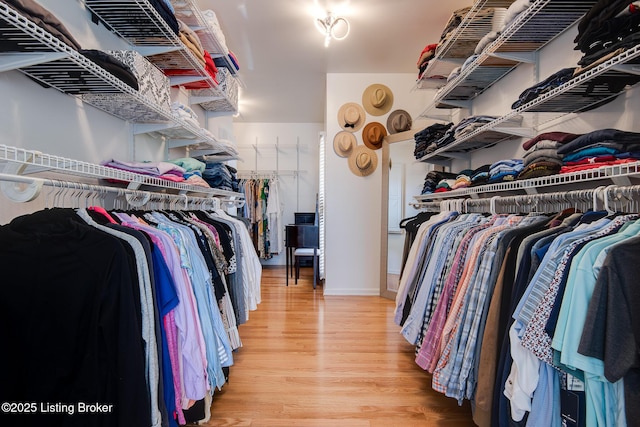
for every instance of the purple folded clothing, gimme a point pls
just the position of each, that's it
(145, 168)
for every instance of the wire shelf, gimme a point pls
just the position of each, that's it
(611, 173)
(582, 93)
(140, 24)
(54, 64)
(530, 31)
(47, 162)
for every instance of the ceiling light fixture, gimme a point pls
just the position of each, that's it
(333, 28)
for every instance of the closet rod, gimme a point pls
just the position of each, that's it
(13, 187)
(596, 198)
(266, 174)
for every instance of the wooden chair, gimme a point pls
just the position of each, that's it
(301, 241)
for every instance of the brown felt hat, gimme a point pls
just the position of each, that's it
(373, 134)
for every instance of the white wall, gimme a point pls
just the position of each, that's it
(297, 150)
(353, 204)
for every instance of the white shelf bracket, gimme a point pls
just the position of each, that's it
(20, 190)
(621, 180)
(524, 132)
(136, 198)
(183, 80)
(627, 68)
(13, 61)
(203, 99)
(526, 57)
(141, 128)
(458, 104)
(155, 50)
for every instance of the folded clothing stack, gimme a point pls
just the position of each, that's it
(433, 180)
(43, 18)
(555, 80)
(192, 41)
(607, 28)
(470, 124)
(505, 170)
(497, 25)
(167, 13)
(462, 129)
(542, 157)
(480, 19)
(163, 170)
(426, 55)
(463, 180)
(185, 113)
(513, 11)
(480, 176)
(212, 20)
(193, 171)
(603, 147)
(426, 139)
(219, 175)
(46, 20)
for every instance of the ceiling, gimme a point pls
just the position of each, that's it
(283, 61)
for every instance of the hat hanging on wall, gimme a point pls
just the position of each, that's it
(351, 116)
(373, 134)
(343, 143)
(363, 161)
(377, 99)
(399, 121)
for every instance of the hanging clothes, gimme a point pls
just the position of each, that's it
(137, 310)
(264, 210)
(502, 310)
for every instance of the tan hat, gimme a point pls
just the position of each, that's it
(363, 161)
(399, 121)
(343, 143)
(373, 134)
(377, 99)
(351, 116)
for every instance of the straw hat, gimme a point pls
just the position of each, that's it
(399, 121)
(343, 143)
(363, 161)
(377, 99)
(373, 134)
(351, 117)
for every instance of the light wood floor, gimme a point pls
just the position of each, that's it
(310, 360)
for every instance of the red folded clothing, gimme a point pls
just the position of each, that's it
(578, 168)
(427, 53)
(210, 68)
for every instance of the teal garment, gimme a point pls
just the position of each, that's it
(589, 152)
(189, 164)
(602, 397)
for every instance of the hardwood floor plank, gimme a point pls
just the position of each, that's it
(310, 360)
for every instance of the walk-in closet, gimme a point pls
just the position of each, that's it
(320, 213)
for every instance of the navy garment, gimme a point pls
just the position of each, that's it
(219, 175)
(595, 20)
(426, 139)
(631, 139)
(553, 81)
